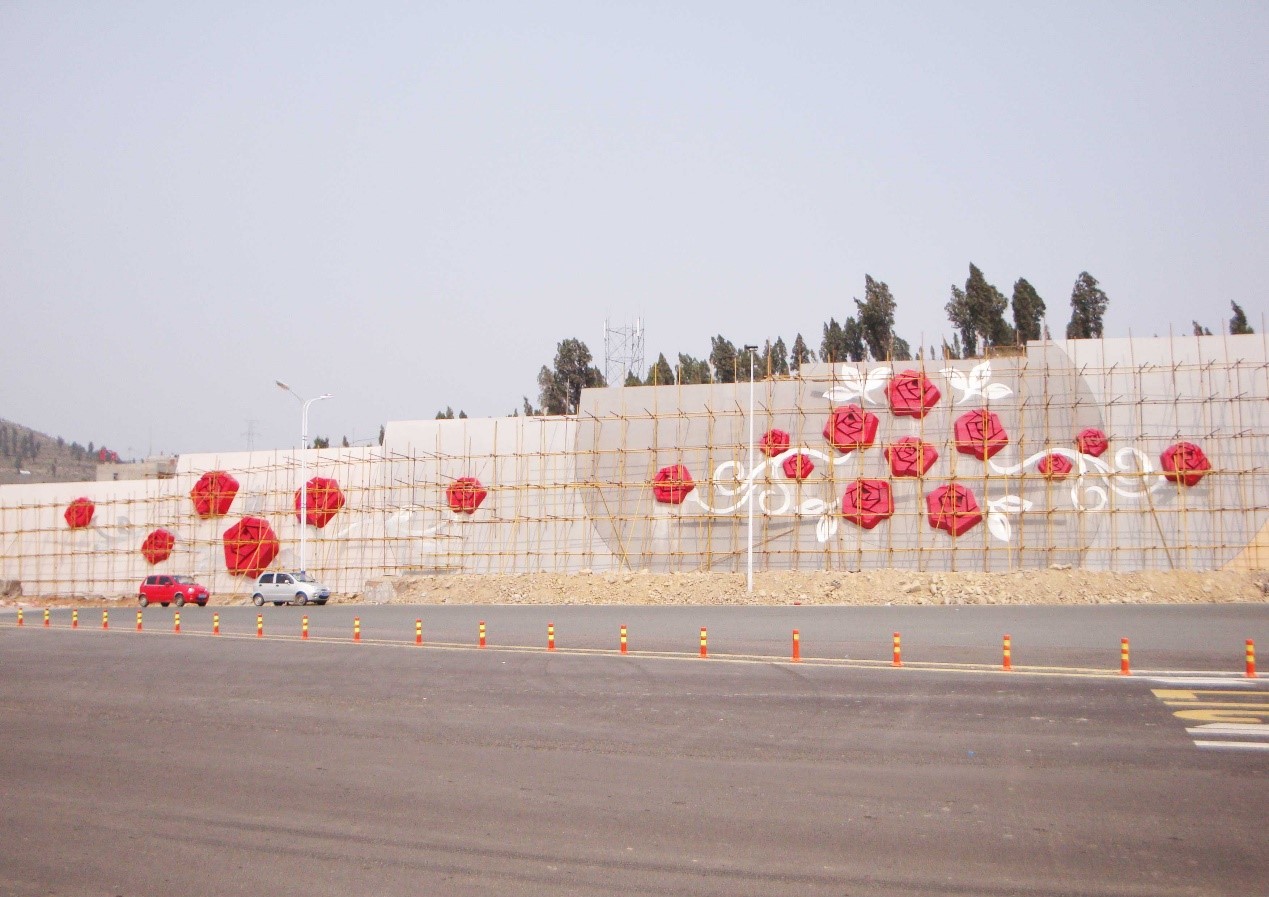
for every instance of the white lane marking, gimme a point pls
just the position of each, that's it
(1251, 730)
(1198, 681)
(1234, 745)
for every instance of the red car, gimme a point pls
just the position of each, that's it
(163, 589)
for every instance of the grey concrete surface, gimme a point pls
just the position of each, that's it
(163, 764)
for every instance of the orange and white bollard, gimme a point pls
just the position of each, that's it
(105, 619)
(138, 621)
(1007, 662)
(1251, 659)
(704, 644)
(46, 618)
(176, 622)
(550, 636)
(215, 624)
(898, 653)
(418, 633)
(75, 619)
(797, 647)
(481, 642)
(259, 625)
(1123, 658)
(19, 616)
(356, 629)
(304, 628)
(623, 639)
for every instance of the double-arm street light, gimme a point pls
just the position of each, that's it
(304, 403)
(753, 483)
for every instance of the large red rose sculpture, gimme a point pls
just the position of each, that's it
(464, 495)
(1055, 466)
(157, 546)
(910, 457)
(953, 508)
(850, 427)
(324, 501)
(79, 513)
(867, 502)
(672, 484)
(1185, 464)
(1092, 441)
(798, 467)
(213, 494)
(980, 433)
(912, 394)
(774, 442)
(250, 547)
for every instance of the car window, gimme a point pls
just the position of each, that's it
(149, 580)
(185, 580)
(266, 579)
(304, 577)
(283, 579)
(165, 580)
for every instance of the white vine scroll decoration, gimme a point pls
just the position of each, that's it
(738, 487)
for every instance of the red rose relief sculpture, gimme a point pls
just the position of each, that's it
(1184, 464)
(953, 508)
(464, 495)
(1092, 441)
(79, 513)
(910, 457)
(850, 427)
(867, 502)
(324, 501)
(798, 467)
(912, 394)
(157, 546)
(980, 433)
(774, 442)
(213, 494)
(250, 546)
(1055, 466)
(672, 484)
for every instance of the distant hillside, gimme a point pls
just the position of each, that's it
(27, 456)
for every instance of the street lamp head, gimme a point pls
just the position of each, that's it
(326, 395)
(748, 348)
(282, 385)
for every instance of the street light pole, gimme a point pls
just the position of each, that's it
(753, 484)
(304, 405)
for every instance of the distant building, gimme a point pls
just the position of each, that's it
(149, 469)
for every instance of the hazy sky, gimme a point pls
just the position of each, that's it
(408, 205)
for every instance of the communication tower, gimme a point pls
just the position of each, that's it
(623, 351)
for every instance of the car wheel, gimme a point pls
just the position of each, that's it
(301, 599)
(202, 604)
(179, 600)
(142, 600)
(257, 600)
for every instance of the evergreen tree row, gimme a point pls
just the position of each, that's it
(976, 311)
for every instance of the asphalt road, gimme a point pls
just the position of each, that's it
(161, 764)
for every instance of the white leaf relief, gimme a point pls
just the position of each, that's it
(977, 384)
(999, 526)
(853, 386)
(825, 528)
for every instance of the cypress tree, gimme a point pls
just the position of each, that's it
(1028, 311)
(1088, 306)
(1238, 323)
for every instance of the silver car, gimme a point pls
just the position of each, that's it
(281, 588)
